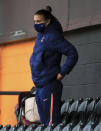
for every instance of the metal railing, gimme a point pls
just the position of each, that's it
(12, 92)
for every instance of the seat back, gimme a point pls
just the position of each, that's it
(98, 127)
(77, 128)
(31, 127)
(73, 114)
(6, 128)
(40, 128)
(87, 127)
(67, 128)
(65, 110)
(96, 117)
(82, 111)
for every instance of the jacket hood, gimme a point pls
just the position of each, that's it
(54, 26)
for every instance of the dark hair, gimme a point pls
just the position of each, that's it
(46, 13)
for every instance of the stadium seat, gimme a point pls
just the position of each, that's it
(22, 128)
(98, 127)
(40, 128)
(6, 128)
(1, 126)
(91, 107)
(31, 127)
(73, 113)
(14, 128)
(77, 127)
(97, 98)
(65, 106)
(65, 110)
(98, 107)
(49, 128)
(67, 128)
(88, 127)
(97, 113)
(82, 113)
(77, 115)
(59, 127)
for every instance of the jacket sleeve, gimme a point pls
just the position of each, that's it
(66, 48)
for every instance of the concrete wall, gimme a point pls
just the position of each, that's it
(16, 17)
(85, 78)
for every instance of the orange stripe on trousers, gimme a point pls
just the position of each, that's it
(51, 110)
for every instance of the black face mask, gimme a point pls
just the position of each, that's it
(40, 27)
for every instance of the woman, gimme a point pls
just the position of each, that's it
(45, 61)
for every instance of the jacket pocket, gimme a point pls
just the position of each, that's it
(38, 63)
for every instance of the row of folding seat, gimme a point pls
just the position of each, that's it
(84, 116)
(68, 127)
(77, 115)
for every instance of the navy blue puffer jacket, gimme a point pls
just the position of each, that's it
(47, 54)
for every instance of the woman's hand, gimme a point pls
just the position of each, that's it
(59, 76)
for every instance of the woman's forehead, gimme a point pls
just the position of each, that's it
(38, 17)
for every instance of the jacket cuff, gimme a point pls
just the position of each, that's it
(62, 73)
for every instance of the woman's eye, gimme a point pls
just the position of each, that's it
(38, 21)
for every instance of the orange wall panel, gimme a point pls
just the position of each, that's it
(0, 82)
(7, 109)
(15, 75)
